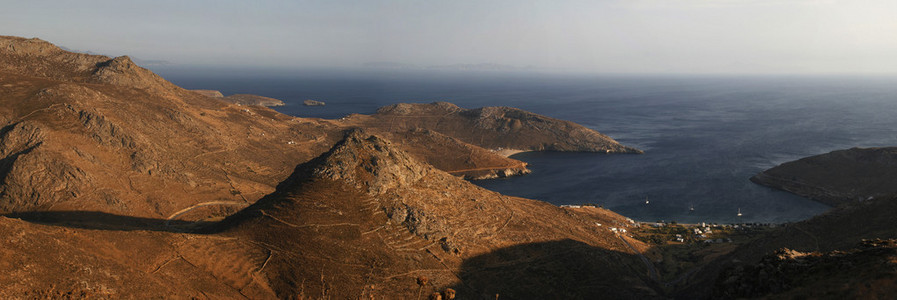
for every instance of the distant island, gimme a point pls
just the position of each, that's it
(310, 102)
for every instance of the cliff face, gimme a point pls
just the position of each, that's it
(838, 177)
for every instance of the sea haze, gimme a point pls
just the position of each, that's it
(703, 137)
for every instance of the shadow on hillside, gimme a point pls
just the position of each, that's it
(101, 221)
(564, 269)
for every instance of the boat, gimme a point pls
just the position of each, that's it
(646, 200)
(691, 208)
(739, 211)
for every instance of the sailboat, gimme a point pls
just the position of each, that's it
(739, 211)
(646, 200)
(691, 208)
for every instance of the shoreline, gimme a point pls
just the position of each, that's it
(509, 152)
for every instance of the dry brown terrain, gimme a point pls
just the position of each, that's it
(111, 136)
(363, 219)
(112, 181)
(115, 183)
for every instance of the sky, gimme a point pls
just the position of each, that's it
(597, 36)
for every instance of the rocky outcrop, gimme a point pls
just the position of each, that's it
(370, 163)
(121, 71)
(840, 274)
(247, 99)
(30, 176)
(837, 177)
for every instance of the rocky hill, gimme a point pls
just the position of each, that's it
(838, 177)
(85, 132)
(390, 219)
(122, 176)
(362, 220)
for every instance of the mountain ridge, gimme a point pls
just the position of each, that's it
(124, 177)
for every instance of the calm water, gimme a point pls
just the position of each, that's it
(703, 136)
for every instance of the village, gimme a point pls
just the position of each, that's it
(677, 249)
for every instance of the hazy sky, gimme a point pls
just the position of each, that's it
(668, 36)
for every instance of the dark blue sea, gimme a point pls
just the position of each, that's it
(703, 136)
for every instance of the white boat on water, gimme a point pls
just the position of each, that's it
(739, 211)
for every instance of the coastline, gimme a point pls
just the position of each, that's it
(509, 152)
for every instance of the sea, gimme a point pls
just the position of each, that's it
(704, 136)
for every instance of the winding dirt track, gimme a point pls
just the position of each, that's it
(188, 209)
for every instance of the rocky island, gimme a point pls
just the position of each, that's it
(309, 102)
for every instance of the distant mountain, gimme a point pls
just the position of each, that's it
(475, 67)
(388, 65)
(448, 67)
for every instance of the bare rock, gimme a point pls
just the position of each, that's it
(31, 177)
(372, 163)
